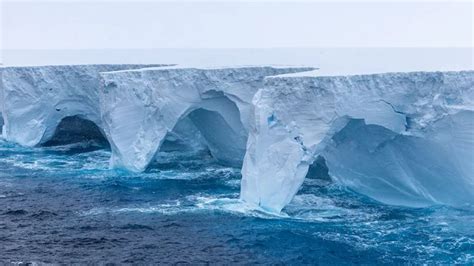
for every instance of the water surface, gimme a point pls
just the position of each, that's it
(62, 204)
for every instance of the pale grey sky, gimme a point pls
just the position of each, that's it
(103, 24)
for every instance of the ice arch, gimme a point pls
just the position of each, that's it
(298, 118)
(36, 99)
(140, 107)
(184, 137)
(217, 122)
(214, 131)
(222, 130)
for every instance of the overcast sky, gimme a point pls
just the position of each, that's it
(265, 24)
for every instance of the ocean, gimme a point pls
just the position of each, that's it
(62, 204)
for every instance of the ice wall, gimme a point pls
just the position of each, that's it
(1, 102)
(400, 138)
(36, 99)
(140, 107)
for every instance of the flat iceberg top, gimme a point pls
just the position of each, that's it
(211, 67)
(324, 73)
(106, 67)
(341, 61)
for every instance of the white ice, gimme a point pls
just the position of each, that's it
(413, 147)
(141, 107)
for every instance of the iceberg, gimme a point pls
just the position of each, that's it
(399, 138)
(140, 108)
(34, 100)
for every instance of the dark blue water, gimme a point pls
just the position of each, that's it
(62, 204)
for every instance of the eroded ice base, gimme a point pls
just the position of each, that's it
(406, 170)
(400, 138)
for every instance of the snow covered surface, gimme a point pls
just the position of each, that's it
(36, 99)
(400, 138)
(140, 107)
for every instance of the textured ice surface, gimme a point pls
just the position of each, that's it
(140, 107)
(36, 99)
(413, 146)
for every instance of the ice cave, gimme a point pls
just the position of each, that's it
(36, 99)
(400, 138)
(140, 107)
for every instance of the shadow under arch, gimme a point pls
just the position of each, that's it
(318, 170)
(78, 130)
(1, 123)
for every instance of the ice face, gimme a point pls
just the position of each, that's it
(36, 99)
(405, 170)
(400, 153)
(141, 107)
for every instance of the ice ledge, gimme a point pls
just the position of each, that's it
(405, 116)
(35, 99)
(140, 107)
(324, 73)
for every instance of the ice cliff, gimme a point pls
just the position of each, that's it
(34, 100)
(400, 138)
(141, 107)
